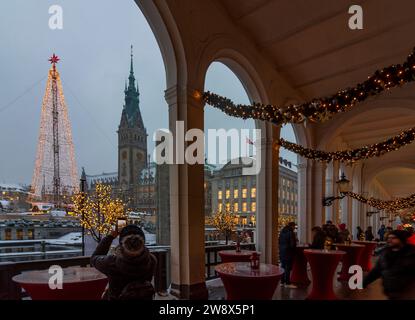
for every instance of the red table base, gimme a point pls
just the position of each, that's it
(87, 290)
(323, 266)
(258, 286)
(365, 260)
(353, 253)
(299, 272)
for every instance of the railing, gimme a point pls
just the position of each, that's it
(9, 290)
(40, 253)
(212, 257)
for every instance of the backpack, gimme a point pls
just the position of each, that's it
(138, 290)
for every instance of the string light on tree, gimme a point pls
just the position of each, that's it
(98, 212)
(224, 221)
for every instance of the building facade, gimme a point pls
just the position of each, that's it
(230, 190)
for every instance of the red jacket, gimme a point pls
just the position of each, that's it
(411, 240)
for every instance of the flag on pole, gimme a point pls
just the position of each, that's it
(249, 141)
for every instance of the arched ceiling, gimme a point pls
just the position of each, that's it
(398, 182)
(312, 46)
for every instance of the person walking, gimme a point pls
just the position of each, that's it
(369, 234)
(287, 245)
(130, 269)
(381, 232)
(395, 266)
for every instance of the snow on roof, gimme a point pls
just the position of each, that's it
(69, 238)
(110, 177)
(11, 187)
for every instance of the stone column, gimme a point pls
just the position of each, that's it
(317, 193)
(267, 186)
(346, 202)
(331, 212)
(336, 204)
(357, 209)
(329, 192)
(303, 205)
(186, 201)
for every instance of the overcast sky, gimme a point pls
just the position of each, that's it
(94, 47)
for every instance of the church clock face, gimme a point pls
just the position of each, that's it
(139, 156)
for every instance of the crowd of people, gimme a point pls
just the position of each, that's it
(395, 263)
(131, 267)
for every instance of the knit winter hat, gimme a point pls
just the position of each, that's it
(401, 235)
(131, 229)
(132, 245)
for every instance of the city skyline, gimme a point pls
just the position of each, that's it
(93, 77)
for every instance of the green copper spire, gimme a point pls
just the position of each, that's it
(132, 100)
(131, 78)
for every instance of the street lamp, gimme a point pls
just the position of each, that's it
(371, 213)
(83, 190)
(343, 187)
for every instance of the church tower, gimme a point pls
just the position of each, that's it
(132, 137)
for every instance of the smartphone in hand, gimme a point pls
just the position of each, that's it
(121, 223)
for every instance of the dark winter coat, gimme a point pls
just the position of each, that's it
(121, 269)
(319, 240)
(397, 270)
(287, 244)
(369, 235)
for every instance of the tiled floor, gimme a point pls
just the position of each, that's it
(373, 292)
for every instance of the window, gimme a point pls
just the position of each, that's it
(244, 221)
(220, 207)
(244, 191)
(253, 206)
(236, 207)
(220, 194)
(236, 193)
(228, 194)
(30, 234)
(244, 207)
(253, 193)
(8, 234)
(228, 206)
(19, 234)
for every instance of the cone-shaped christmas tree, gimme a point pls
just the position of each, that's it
(55, 174)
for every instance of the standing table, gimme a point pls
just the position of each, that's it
(365, 260)
(323, 265)
(233, 256)
(78, 284)
(243, 283)
(299, 272)
(352, 257)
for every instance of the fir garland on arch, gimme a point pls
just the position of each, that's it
(393, 205)
(321, 109)
(352, 155)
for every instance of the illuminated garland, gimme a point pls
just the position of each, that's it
(352, 155)
(393, 205)
(321, 109)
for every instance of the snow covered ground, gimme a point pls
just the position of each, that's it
(75, 238)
